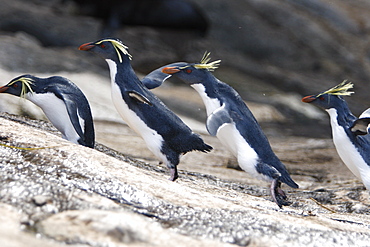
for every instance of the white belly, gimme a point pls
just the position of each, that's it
(247, 157)
(56, 111)
(348, 152)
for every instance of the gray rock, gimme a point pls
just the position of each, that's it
(92, 191)
(112, 228)
(12, 234)
(40, 200)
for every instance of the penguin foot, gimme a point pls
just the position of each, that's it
(174, 175)
(281, 193)
(277, 194)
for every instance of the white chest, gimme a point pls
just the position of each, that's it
(56, 111)
(347, 151)
(210, 103)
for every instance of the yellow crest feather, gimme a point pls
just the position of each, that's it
(205, 65)
(118, 46)
(26, 84)
(340, 89)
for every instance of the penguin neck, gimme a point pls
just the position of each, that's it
(124, 69)
(342, 116)
(341, 120)
(209, 96)
(112, 68)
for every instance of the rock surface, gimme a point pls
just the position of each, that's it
(80, 196)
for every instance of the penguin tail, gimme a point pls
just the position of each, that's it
(192, 143)
(205, 148)
(289, 181)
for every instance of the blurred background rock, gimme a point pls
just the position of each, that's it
(273, 51)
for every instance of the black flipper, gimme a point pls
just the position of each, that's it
(139, 97)
(217, 119)
(361, 126)
(73, 115)
(71, 106)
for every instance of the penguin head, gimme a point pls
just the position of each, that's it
(331, 98)
(193, 73)
(109, 48)
(186, 72)
(325, 101)
(19, 86)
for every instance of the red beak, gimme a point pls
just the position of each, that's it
(3, 89)
(170, 70)
(86, 47)
(309, 99)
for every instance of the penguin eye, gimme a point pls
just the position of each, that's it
(188, 71)
(15, 85)
(321, 98)
(102, 46)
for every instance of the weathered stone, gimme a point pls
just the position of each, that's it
(12, 234)
(201, 207)
(113, 229)
(40, 200)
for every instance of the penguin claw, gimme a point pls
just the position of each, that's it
(281, 193)
(277, 194)
(174, 175)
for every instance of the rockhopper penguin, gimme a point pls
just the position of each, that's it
(229, 118)
(63, 103)
(166, 136)
(350, 136)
